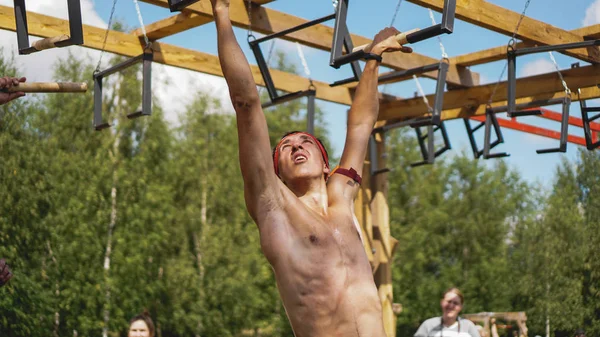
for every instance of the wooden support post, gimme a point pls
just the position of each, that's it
(373, 213)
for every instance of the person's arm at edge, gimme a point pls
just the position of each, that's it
(254, 147)
(363, 114)
(7, 82)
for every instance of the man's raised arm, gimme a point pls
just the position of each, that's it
(254, 152)
(364, 110)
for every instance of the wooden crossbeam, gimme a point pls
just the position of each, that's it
(499, 53)
(173, 25)
(540, 85)
(504, 21)
(587, 93)
(268, 21)
(130, 45)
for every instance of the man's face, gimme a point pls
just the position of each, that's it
(451, 305)
(300, 157)
(138, 329)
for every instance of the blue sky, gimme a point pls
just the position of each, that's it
(367, 19)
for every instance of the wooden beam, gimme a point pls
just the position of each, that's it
(173, 25)
(504, 21)
(587, 93)
(499, 53)
(130, 45)
(268, 21)
(550, 83)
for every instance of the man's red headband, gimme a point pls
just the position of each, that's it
(276, 156)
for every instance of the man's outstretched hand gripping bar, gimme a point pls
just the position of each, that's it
(401, 38)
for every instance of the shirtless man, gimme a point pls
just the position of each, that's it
(306, 223)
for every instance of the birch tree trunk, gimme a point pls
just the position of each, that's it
(199, 240)
(111, 227)
(57, 291)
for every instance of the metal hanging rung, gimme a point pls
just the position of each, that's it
(75, 36)
(491, 123)
(564, 129)
(587, 119)
(428, 151)
(146, 58)
(414, 36)
(512, 54)
(178, 5)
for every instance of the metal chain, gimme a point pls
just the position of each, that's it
(396, 13)
(562, 79)
(511, 42)
(143, 27)
(112, 11)
(444, 55)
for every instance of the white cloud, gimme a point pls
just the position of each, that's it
(592, 14)
(173, 86)
(176, 87)
(539, 66)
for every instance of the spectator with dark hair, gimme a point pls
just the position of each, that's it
(580, 333)
(141, 326)
(449, 324)
(5, 273)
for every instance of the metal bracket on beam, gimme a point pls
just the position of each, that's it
(428, 151)
(512, 54)
(490, 122)
(591, 141)
(178, 5)
(146, 59)
(75, 36)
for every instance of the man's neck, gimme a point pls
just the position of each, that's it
(313, 194)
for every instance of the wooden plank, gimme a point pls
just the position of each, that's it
(130, 45)
(504, 21)
(173, 25)
(499, 53)
(268, 21)
(530, 86)
(587, 93)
